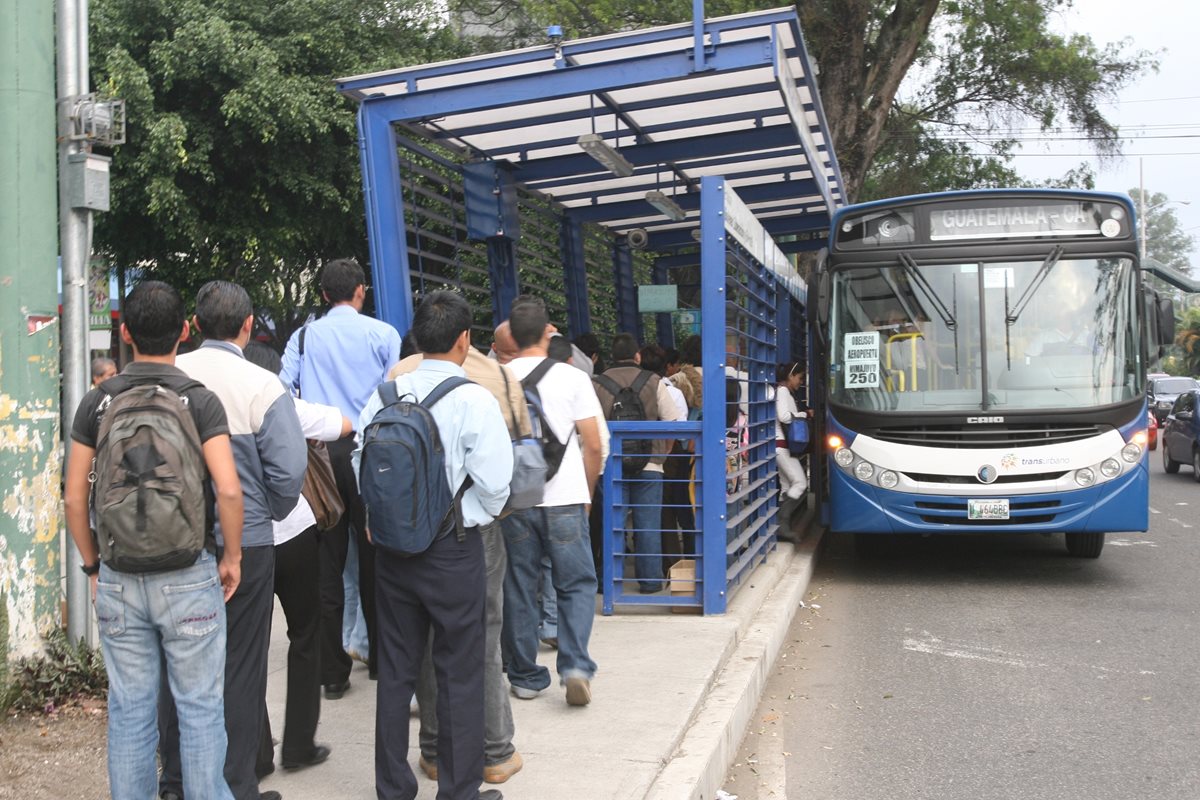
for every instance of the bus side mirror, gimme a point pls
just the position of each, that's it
(1166, 321)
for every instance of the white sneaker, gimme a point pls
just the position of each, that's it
(522, 693)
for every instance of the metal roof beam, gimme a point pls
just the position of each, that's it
(690, 201)
(566, 82)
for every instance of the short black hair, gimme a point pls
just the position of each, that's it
(264, 356)
(154, 318)
(588, 343)
(689, 351)
(440, 320)
(672, 355)
(340, 278)
(221, 309)
(408, 345)
(528, 320)
(624, 347)
(654, 358)
(560, 349)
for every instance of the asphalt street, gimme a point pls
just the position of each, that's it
(992, 667)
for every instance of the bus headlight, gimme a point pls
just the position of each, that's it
(843, 457)
(863, 471)
(1085, 476)
(1110, 468)
(1131, 452)
(888, 479)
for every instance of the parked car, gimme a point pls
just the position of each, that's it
(1161, 393)
(1181, 434)
(1151, 431)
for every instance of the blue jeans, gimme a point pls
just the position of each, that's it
(644, 492)
(562, 533)
(144, 618)
(354, 626)
(548, 627)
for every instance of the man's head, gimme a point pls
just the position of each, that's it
(529, 323)
(504, 345)
(343, 281)
(224, 312)
(560, 349)
(673, 361)
(442, 324)
(624, 347)
(589, 344)
(654, 358)
(153, 319)
(102, 369)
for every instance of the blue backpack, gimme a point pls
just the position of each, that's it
(402, 473)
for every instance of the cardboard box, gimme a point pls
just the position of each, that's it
(683, 584)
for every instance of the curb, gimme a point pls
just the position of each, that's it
(707, 749)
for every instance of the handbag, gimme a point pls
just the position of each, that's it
(320, 487)
(797, 436)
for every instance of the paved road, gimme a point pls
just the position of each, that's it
(993, 667)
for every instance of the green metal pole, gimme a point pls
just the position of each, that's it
(30, 455)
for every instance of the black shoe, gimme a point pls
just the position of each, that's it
(169, 795)
(491, 794)
(320, 752)
(334, 691)
(270, 796)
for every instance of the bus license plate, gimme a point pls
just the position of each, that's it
(987, 509)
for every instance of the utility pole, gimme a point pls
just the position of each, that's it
(30, 455)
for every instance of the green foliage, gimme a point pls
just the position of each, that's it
(242, 159)
(1187, 337)
(1166, 240)
(63, 673)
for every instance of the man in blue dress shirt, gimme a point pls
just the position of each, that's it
(445, 586)
(339, 360)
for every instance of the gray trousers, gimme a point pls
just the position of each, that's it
(497, 713)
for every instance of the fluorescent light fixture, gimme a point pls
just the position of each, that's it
(608, 157)
(666, 206)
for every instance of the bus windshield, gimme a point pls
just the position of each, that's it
(1055, 332)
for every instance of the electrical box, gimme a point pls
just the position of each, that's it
(491, 201)
(87, 181)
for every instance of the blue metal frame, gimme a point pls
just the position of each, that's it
(506, 282)
(663, 322)
(628, 318)
(579, 318)
(385, 219)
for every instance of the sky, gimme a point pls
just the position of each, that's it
(1158, 115)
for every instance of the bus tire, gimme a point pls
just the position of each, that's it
(1087, 545)
(1170, 465)
(1196, 464)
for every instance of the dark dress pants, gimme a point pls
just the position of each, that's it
(247, 640)
(444, 589)
(297, 569)
(335, 663)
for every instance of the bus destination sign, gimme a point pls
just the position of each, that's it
(1016, 221)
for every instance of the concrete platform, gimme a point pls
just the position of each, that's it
(670, 703)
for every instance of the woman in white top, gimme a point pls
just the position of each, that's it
(793, 483)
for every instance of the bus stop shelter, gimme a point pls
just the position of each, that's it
(692, 156)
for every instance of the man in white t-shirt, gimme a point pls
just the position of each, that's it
(559, 526)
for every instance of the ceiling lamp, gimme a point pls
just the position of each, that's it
(666, 206)
(595, 146)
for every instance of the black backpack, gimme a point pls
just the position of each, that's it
(148, 478)
(402, 472)
(552, 448)
(627, 407)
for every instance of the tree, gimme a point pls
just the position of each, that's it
(242, 159)
(905, 83)
(1166, 241)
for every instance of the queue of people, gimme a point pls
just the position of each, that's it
(184, 586)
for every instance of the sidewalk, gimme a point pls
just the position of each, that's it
(670, 703)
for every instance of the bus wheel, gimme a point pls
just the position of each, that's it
(874, 545)
(1170, 465)
(1196, 465)
(1087, 545)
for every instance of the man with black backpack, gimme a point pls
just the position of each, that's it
(563, 410)
(152, 438)
(434, 462)
(629, 393)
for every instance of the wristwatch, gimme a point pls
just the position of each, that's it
(90, 569)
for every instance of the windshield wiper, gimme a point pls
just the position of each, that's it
(915, 276)
(1011, 316)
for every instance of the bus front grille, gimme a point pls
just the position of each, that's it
(971, 480)
(962, 437)
(1033, 512)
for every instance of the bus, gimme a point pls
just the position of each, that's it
(984, 361)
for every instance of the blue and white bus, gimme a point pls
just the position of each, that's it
(985, 356)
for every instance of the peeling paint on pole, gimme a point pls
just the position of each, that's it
(30, 451)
